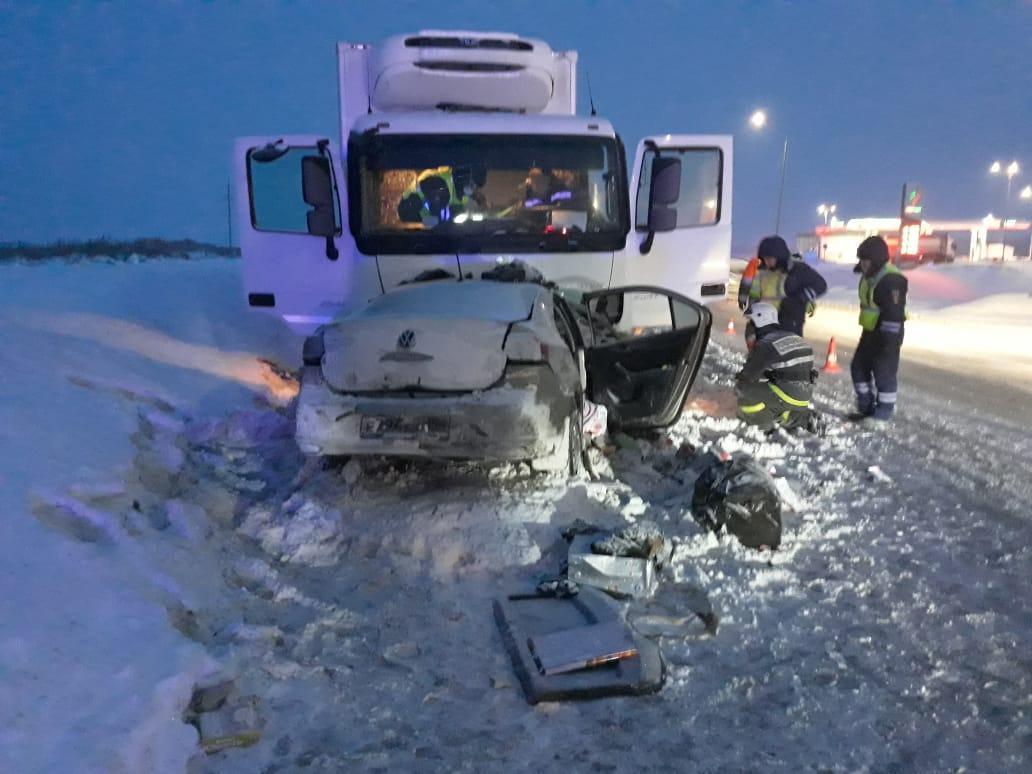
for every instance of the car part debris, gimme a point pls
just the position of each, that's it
(561, 588)
(641, 540)
(596, 419)
(675, 611)
(521, 618)
(579, 527)
(581, 647)
(621, 576)
(739, 494)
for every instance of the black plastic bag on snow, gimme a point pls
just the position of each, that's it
(739, 495)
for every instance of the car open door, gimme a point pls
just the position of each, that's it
(642, 374)
(681, 209)
(298, 261)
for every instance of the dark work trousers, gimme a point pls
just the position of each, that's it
(873, 369)
(792, 315)
(774, 412)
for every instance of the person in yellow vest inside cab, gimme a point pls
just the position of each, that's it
(438, 196)
(785, 282)
(883, 301)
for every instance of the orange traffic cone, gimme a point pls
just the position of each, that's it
(831, 365)
(730, 330)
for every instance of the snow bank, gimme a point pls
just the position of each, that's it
(937, 286)
(972, 315)
(94, 674)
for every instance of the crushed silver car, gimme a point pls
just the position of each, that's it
(495, 371)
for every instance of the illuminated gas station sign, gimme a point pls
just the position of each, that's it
(910, 239)
(910, 221)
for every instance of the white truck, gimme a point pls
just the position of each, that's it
(459, 150)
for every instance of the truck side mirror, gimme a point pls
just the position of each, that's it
(317, 188)
(664, 191)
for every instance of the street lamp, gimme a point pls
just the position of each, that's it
(758, 120)
(826, 210)
(1026, 196)
(1011, 170)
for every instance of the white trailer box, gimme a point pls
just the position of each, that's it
(468, 70)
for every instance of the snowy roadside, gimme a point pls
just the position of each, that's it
(93, 675)
(351, 607)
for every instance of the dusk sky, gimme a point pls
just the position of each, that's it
(118, 119)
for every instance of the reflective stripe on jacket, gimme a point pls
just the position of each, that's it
(777, 375)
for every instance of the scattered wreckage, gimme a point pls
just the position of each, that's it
(571, 638)
(496, 370)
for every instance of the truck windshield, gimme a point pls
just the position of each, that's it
(486, 193)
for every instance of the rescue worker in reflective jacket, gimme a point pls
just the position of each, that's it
(785, 282)
(775, 385)
(437, 196)
(883, 300)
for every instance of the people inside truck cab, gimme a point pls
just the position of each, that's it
(544, 189)
(434, 198)
(470, 180)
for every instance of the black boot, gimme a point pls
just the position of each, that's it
(816, 424)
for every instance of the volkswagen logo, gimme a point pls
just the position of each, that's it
(407, 339)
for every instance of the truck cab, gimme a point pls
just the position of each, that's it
(461, 150)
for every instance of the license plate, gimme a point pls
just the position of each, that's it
(404, 427)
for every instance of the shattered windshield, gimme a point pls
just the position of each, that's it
(475, 193)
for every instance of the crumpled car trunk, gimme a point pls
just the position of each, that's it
(366, 355)
(438, 336)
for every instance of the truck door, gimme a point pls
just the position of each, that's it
(298, 261)
(681, 209)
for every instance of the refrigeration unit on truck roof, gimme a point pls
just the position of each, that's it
(458, 150)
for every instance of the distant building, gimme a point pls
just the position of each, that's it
(940, 241)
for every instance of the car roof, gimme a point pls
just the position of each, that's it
(469, 299)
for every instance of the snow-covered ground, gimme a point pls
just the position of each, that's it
(177, 538)
(92, 677)
(962, 315)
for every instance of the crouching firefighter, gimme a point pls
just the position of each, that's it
(775, 385)
(883, 300)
